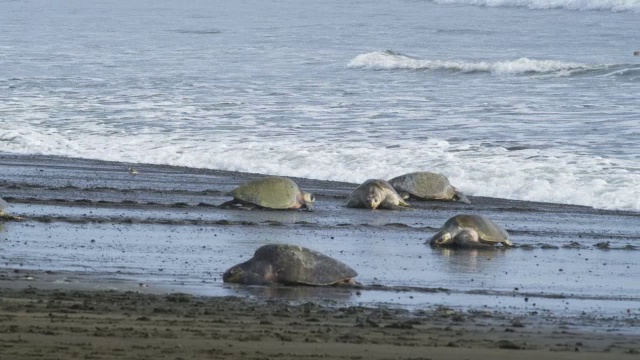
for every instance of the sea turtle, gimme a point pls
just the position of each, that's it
(466, 231)
(271, 192)
(3, 214)
(374, 194)
(425, 185)
(290, 265)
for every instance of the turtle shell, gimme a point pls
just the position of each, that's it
(488, 231)
(289, 264)
(424, 185)
(271, 192)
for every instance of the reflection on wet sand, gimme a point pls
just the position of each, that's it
(283, 292)
(466, 260)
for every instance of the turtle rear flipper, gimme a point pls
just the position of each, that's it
(4, 215)
(9, 217)
(404, 195)
(508, 243)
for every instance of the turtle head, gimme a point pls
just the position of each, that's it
(460, 197)
(309, 200)
(373, 199)
(250, 273)
(442, 238)
(235, 274)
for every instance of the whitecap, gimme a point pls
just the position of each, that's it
(388, 60)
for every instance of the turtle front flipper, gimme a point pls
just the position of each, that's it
(391, 205)
(236, 204)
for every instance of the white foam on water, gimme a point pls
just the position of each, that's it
(579, 5)
(277, 98)
(389, 60)
(549, 175)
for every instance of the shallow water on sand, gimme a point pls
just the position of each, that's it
(191, 258)
(160, 229)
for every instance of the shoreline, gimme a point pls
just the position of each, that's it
(237, 177)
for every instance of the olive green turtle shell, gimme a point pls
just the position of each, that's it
(488, 231)
(271, 192)
(426, 186)
(289, 264)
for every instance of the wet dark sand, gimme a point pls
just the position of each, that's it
(40, 324)
(93, 271)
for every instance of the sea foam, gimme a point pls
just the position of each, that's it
(549, 175)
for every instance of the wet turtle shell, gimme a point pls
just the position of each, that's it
(292, 265)
(427, 186)
(272, 192)
(467, 230)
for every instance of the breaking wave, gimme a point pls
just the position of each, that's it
(578, 5)
(389, 60)
(552, 175)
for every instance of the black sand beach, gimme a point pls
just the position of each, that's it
(97, 238)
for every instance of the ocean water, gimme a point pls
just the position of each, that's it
(520, 99)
